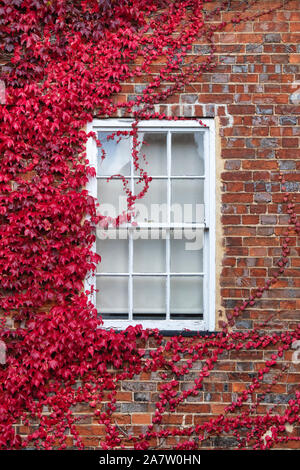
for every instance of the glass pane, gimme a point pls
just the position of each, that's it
(149, 251)
(149, 297)
(186, 250)
(188, 191)
(186, 297)
(112, 297)
(187, 154)
(112, 197)
(117, 155)
(114, 255)
(187, 200)
(152, 207)
(154, 147)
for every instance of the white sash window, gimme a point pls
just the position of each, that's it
(159, 271)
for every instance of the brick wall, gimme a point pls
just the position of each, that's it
(252, 94)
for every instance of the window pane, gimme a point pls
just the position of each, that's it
(186, 297)
(149, 297)
(112, 197)
(187, 200)
(153, 205)
(149, 251)
(186, 250)
(154, 148)
(112, 297)
(187, 154)
(114, 255)
(117, 155)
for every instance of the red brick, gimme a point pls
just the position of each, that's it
(246, 198)
(236, 176)
(234, 187)
(231, 219)
(295, 58)
(250, 219)
(241, 109)
(265, 98)
(259, 165)
(141, 418)
(295, 27)
(291, 143)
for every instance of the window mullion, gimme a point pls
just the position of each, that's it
(130, 247)
(207, 197)
(130, 277)
(207, 214)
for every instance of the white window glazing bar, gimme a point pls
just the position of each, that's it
(157, 177)
(207, 195)
(209, 317)
(206, 232)
(130, 249)
(168, 247)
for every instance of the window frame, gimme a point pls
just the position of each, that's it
(207, 126)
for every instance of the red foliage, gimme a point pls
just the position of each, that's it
(69, 59)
